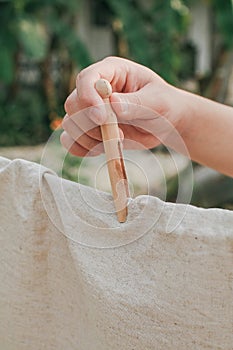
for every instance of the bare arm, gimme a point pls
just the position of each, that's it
(208, 132)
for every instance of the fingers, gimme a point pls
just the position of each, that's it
(85, 94)
(123, 75)
(131, 100)
(77, 147)
(83, 132)
(73, 147)
(142, 104)
(80, 123)
(87, 142)
(135, 138)
(72, 104)
(84, 146)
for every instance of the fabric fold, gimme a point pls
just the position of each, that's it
(72, 277)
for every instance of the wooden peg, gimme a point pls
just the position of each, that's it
(113, 150)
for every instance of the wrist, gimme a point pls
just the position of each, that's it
(185, 105)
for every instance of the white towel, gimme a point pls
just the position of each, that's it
(73, 278)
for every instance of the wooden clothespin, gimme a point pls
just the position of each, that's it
(113, 150)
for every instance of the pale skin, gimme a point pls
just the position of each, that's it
(149, 111)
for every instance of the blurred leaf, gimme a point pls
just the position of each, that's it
(70, 169)
(153, 32)
(76, 48)
(205, 181)
(23, 120)
(224, 15)
(130, 14)
(33, 38)
(6, 61)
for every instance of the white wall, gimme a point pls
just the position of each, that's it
(200, 33)
(99, 40)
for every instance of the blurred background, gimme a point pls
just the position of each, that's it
(44, 44)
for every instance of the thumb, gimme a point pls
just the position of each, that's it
(126, 104)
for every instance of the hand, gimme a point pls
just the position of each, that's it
(148, 109)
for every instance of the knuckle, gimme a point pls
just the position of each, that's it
(64, 124)
(137, 99)
(110, 59)
(68, 105)
(84, 99)
(81, 75)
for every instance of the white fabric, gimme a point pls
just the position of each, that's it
(72, 277)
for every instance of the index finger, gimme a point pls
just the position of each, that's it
(121, 73)
(114, 70)
(85, 94)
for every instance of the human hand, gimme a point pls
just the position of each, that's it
(148, 109)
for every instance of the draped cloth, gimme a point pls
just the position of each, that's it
(72, 277)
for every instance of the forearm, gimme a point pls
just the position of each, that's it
(208, 133)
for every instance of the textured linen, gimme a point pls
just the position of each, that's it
(72, 277)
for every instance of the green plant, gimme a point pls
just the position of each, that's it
(154, 33)
(70, 169)
(39, 50)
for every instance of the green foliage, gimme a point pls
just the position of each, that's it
(41, 32)
(205, 179)
(153, 31)
(33, 38)
(32, 34)
(8, 43)
(70, 169)
(69, 41)
(224, 17)
(133, 29)
(22, 119)
(6, 61)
